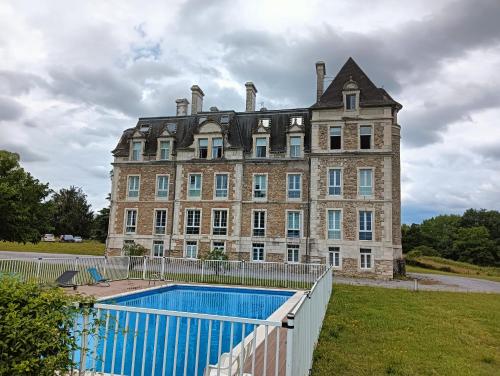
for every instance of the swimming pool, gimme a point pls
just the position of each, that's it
(147, 343)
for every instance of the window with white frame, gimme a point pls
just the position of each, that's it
(261, 147)
(365, 182)
(194, 189)
(219, 225)
(334, 224)
(292, 252)
(296, 120)
(221, 185)
(365, 137)
(365, 258)
(365, 225)
(295, 146)
(164, 150)
(136, 150)
(191, 249)
(293, 224)
(334, 256)
(160, 221)
(217, 148)
(259, 186)
(259, 223)
(335, 182)
(350, 102)
(162, 186)
(133, 186)
(203, 148)
(335, 138)
(257, 251)
(193, 218)
(219, 246)
(158, 248)
(130, 221)
(294, 182)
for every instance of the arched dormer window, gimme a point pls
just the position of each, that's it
(350, 95)
(209, 141)
(137, 142)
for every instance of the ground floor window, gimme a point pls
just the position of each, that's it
(158, 249)
(192, 249)
(258, 252)
(293, 252)
(334, 256)
(219, 246)
(366, 258)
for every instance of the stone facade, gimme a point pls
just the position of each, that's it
(241, 163)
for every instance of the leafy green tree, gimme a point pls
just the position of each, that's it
(36, 325)
(100, 225)
(411, 237)
(218, 256)
(24, 214)
(440, 232)
(473, 245)
(487, 218)
(71, 212)
(134, 249)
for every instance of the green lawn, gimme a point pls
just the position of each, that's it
(376, 331)
(438, 265)
(86, 248)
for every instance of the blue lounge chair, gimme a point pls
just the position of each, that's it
(97, 277)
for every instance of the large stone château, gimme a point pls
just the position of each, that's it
(317, 184)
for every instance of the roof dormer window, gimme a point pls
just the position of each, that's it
(261, 147)
(136, 150)
(296, 120)
(203, 148)
(350, 102)
(266, 123)
(217, 147)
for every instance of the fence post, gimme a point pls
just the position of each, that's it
(289, 344)
(128, 267)
(162, 273)
(144, 268)
(202, 271)
(242, 272)
(38, 269)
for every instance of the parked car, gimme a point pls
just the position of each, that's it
(48, 238)
(78, 239)
(67, 238)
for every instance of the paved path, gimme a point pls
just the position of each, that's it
(429, 282)
(12, 254)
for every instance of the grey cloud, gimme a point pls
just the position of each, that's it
(10, 109)
(17, 83)
(26, 152)
(489, 151)
(143, 70)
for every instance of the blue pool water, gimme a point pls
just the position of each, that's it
(148, 360)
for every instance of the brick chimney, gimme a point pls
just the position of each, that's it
(196, 99)
(320, 79)
(251, 95)
(182, 106)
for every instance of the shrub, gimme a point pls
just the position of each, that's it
(35, 329)
(422, 250)
(134, 249)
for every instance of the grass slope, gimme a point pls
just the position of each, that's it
(376, 331)
(438, 265)
(86, 248)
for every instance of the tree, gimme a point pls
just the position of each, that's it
(71, 212)
(411, 237)
(473, 245)
(24, 214)
(440, 232)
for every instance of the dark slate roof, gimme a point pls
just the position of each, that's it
(369, 96)
(237, 131)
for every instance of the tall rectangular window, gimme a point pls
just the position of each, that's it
(261, 147)
(334, 224)
(131, 221)
(194, 189)
(335, 138)
(334, 256)
(158, 249)
(259, 186)
(219, 226)
(136, 150)
(334, 182)
(259, 223)
(365, 258)
(258, 252)
(294, 181)
(133, 186)
(365, 225)
(350, 101)
(292, 251)
(365, 182)
(365, 137)
(164, 150)
(203, 148)
(217, 148)
(295, 146)
(293, 224)
(162, 186)
(219, 246)
(220, 185)
(193, 222)
(191, 249)
(160, 222)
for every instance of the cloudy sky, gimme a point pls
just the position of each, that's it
(75, 74)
